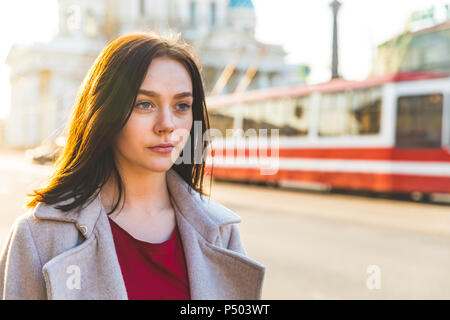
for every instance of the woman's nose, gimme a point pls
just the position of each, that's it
(164, 122)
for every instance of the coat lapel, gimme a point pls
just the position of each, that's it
(90, 270)
(217, 273)
(214, 272)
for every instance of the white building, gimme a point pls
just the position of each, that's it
(45, 77)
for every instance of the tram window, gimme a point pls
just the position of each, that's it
(289, 116)
(333, 114)
(365, 113)
(419, 121)
(295, 117)
(251, 117)
(254, 118)
(350, 113)
(221, 121)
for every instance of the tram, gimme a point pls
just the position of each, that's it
(386, 134)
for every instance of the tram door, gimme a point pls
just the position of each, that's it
(419, 121)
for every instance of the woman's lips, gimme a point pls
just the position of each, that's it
(162, 149)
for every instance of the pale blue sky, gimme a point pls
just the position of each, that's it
(303, 27)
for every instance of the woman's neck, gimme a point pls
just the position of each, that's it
(146, 194)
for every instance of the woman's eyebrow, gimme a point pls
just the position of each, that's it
(183, 95)
(156, 95)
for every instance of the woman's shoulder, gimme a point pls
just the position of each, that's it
(20, 230)
(49, 237)
(25, 227)
(215, 210)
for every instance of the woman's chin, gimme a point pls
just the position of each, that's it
(160, 165)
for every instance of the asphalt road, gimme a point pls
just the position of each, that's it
(314, 246)
(328, 246)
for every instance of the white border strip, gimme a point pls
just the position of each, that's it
(438, 169)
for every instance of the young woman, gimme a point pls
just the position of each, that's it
(122, 217)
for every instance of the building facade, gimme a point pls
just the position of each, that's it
(221, 31)
(422, 50)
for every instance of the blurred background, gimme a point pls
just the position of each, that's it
(358, 204)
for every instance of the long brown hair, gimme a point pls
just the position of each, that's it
(104, 103)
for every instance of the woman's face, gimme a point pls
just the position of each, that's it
(162, 114)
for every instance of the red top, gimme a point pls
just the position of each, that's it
(151, 271)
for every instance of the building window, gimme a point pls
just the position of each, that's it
(213, 13)
(142, 8)
(419, 121)
(73, 18)
(90, 26)
(192, 13)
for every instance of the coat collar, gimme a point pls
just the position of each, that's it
(203, 213)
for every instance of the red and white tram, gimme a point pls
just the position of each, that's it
(387, 134)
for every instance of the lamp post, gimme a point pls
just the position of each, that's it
(335, 5)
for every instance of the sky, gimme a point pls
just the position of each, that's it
(302, 27)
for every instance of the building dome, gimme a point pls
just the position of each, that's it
(240, 4)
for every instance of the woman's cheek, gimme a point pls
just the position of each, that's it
(180, 135)
(129, 138)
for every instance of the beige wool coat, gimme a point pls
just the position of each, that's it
(54, 255)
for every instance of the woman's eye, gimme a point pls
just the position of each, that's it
(144, 105)
(184, 106)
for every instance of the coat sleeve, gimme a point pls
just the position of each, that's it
(21, 274)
